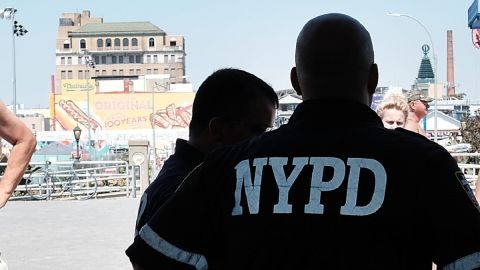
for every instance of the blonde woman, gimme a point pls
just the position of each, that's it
(393, 109)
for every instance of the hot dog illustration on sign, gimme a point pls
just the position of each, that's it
(68, 115)
(172, 117)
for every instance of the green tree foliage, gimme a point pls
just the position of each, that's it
(471, 131)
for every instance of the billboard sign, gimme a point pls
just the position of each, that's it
(77, 85)
(122, 111)
(474, 15)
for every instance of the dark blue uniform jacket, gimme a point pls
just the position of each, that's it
(332, 189)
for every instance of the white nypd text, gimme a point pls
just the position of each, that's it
(317, 185)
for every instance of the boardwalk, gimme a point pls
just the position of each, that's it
(67, 235)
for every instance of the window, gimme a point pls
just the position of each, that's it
(172, 58)
(114, 59)
(172, 72)
(66, 44)
(104, 72)
(69, 60)
(114, 72)
(83, 44)
(131, 59)
(70, 75)
(104, 59)
(134, 42)
(33, 126)
(63, 74)
(116, 42)
(79, 60)
(149, 71)
(87, 74)
(131, 71)
(165, 59)
(138, 71)
(99, 43)
(97, 73)
(173, 42)
(80, 75)
(125, 42)
(120, 72)
(138, 59)
(155, 59)
(62, 60)
(120, 59)
(108, 42)
(155, 71)
(149, 59)
(151, 42)
(165, 71)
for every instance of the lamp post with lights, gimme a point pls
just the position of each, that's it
(89, 63)
(435, 69)
(8, 13)
(77, 131)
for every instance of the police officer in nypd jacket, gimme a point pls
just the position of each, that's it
(321, 192)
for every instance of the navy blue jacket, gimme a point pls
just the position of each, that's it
(332, 189)
(174, 170)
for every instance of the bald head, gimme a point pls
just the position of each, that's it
(334, 59)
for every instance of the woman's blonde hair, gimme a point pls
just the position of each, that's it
(393, 100)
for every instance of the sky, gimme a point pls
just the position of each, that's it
(254, 35)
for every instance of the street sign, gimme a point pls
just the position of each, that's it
(474, 15)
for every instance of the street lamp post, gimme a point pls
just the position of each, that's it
(17, 30)
(435, 69)
(77, 131)
(166, 87)
(89, 63)
(152, 120)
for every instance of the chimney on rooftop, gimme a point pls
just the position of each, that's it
(450, 67)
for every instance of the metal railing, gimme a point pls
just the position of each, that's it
(470, 170)
(114, 178)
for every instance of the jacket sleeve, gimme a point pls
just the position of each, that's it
(178, 235)
(455, 215)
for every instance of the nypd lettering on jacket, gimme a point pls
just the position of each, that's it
(318, 184)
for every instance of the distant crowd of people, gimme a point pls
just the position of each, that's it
(315, 193)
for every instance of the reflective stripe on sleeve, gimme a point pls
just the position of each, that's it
(143, 205)
(161, 245)
(471, 261)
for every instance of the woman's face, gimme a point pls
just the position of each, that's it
(393, 118)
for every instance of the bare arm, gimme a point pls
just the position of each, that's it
(23, 141)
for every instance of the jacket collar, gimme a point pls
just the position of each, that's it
(335, 112)
(183, 149)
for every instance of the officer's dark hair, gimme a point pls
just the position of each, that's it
(224, 94)
(334, 50)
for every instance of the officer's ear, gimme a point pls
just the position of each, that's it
(372, 79)
(294, 80)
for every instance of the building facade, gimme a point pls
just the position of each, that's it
(118, 81)
(124, 50)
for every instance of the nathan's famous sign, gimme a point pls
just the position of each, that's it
(77, 85)
(121, 111)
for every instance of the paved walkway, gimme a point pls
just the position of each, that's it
(67, 235)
